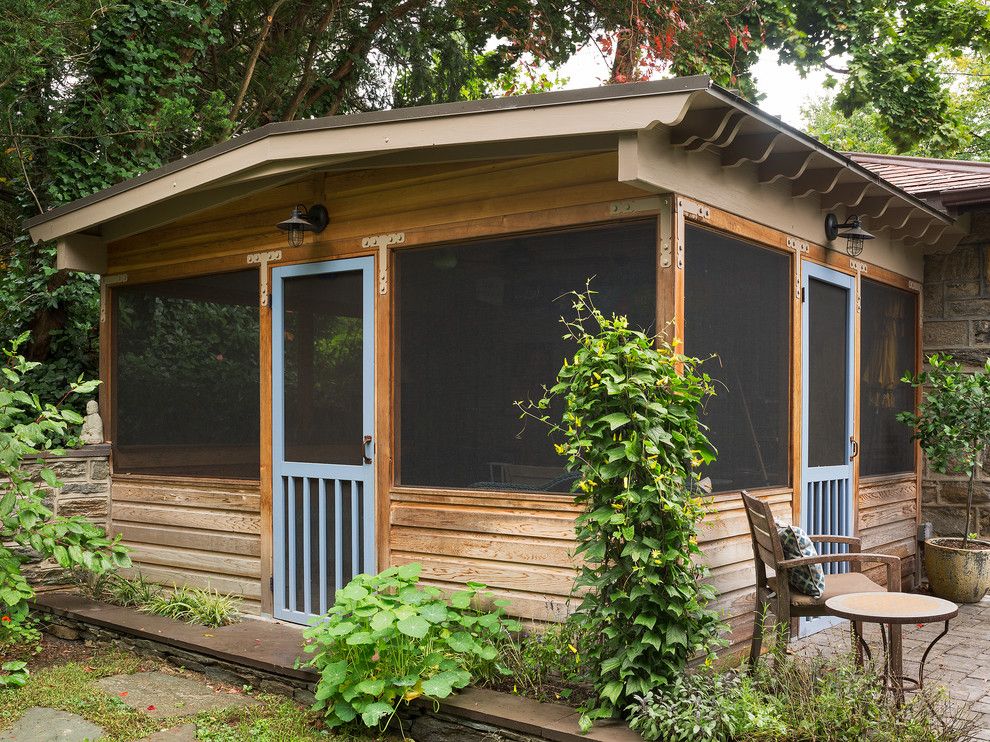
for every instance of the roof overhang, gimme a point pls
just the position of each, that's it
(691, 112)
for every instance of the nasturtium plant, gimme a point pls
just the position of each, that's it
(28, 428)
(388, 640)
(13, 674)
(953, 422)
(630, 431)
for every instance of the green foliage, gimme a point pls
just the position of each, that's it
(274, 719)
(29, 427)
(545, 664)
(387, 640)
(193, 605)
(953, 421)
(863, 129)
(791, 698)
(696, 706)
(111, 587)
(14, 674)
(631, 432)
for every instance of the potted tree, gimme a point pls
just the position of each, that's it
(953, 427)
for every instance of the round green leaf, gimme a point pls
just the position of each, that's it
(415, 626)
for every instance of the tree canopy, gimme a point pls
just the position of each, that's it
(95, 91)
(862, 129)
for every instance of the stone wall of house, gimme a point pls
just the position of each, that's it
(85, 477)
(957, 321)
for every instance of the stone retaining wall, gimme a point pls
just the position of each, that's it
(957, 321)
(85, 477)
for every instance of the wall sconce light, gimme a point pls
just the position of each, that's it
(854, 234)
(314, 219)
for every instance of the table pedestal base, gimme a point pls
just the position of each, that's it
(893, 653)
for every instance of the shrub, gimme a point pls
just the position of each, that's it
(27, 428)
(387, 640)
(793, 698)
(697, 706)
(953, 421)
(631, 432)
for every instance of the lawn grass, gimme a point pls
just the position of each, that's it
(69, 686)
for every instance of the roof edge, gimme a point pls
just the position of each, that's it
(441, 110)
(824, 149)
(961, 166)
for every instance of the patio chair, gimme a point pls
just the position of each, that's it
(775, 592)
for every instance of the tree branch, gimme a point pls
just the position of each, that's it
(358, 50)
(253, 61)
(306, 80)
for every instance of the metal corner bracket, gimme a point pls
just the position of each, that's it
(382, 242)
(263, 259)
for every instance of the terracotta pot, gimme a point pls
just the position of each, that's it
(959, 575)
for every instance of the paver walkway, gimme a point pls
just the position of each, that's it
(39, 724)
(159, 695)
(960, 661)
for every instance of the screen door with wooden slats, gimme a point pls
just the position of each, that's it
(323, 499)
(828, 446)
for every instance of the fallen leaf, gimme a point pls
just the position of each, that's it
(152, 708)
(123, 694)
(207, 634)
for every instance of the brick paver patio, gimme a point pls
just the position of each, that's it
(960, 661)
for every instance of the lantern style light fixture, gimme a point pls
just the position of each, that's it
(314, 219)
(855, 234)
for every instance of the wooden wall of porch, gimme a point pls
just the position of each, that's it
(217, 533)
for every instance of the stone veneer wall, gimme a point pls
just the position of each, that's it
(85, 477)
(957, 321)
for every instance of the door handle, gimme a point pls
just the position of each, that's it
(855, 448)
(365, 442)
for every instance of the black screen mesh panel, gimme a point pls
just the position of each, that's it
(737, 305)
(478, 329)
(186, 377)
(324, 384)
(828, 354)
(888, 327)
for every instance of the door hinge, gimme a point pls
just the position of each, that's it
(271, 584)
(804, 295)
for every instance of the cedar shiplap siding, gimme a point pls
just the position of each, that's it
(200, 533)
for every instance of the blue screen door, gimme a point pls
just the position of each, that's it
(828, 385)
(323, 498)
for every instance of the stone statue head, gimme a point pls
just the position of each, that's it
(92, 407)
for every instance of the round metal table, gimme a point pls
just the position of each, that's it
(891, 611)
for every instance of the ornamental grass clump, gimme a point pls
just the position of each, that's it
(630, 432)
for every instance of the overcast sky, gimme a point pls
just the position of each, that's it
(784, 89)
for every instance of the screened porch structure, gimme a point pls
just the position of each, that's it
(284, 417)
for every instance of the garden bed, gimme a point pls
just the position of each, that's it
(262, 654)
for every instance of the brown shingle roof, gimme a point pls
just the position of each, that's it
(921, 176)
